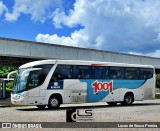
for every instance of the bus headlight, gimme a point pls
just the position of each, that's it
(23, 94)
(19, 95)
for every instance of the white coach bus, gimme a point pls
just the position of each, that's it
(54, 82)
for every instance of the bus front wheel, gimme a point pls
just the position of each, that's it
(128, 99)
(54, 102)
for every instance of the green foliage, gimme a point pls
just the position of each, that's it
(9, 86)
(8, 92)
(5, 70)
(158, 81)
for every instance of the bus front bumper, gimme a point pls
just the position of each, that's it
(19, 99)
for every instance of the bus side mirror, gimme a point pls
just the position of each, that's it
(8, 76)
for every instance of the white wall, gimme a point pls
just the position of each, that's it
(27, 49)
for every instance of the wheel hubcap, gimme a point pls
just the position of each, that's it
(128, 99)
(53, 102)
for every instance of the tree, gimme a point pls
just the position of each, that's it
(4, 71)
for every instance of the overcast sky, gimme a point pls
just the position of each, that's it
(127, 26)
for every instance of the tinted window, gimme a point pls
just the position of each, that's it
(62, 72)
(69, 72)
(36, 78)
(131, 73)
(116, 73)
(82, 72)
(146, 73)
(99, 72)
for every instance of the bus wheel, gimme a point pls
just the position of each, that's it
(128, 99)
(54, 102)
(41, 106)
(112, 103)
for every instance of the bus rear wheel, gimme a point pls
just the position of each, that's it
(41, 106)
(54, 102)
(112, 103)
(128, 99)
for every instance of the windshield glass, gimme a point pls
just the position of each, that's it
(20, 82)
(28, 78)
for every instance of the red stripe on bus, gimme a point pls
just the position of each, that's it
(97, 65)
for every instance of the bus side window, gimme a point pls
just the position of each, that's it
(34, 79)
(54, 78)
(59, 73)
(146, 73)
(99, 72)
(106, 74)
(93, 73)
(69, 72)
(83, 72)
(62, 72)
(75, 72)
(131, 73)
(116, 73)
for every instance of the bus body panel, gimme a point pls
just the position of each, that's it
(79, 91)
(76, 91)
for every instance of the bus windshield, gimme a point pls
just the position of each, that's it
(29, 78)
(20, 83)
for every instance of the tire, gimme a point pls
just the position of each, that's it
(54, 102)
(41, 106)
(128, 99)
(112, 103)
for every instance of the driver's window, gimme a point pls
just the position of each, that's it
(37, 77)
(34, 79)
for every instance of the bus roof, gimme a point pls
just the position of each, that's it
(81, 62)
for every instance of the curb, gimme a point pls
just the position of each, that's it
(5, 102)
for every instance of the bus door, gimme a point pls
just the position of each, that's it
(36, 79)
(33, 87)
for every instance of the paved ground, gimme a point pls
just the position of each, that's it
(143, 111)
(147, 111)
